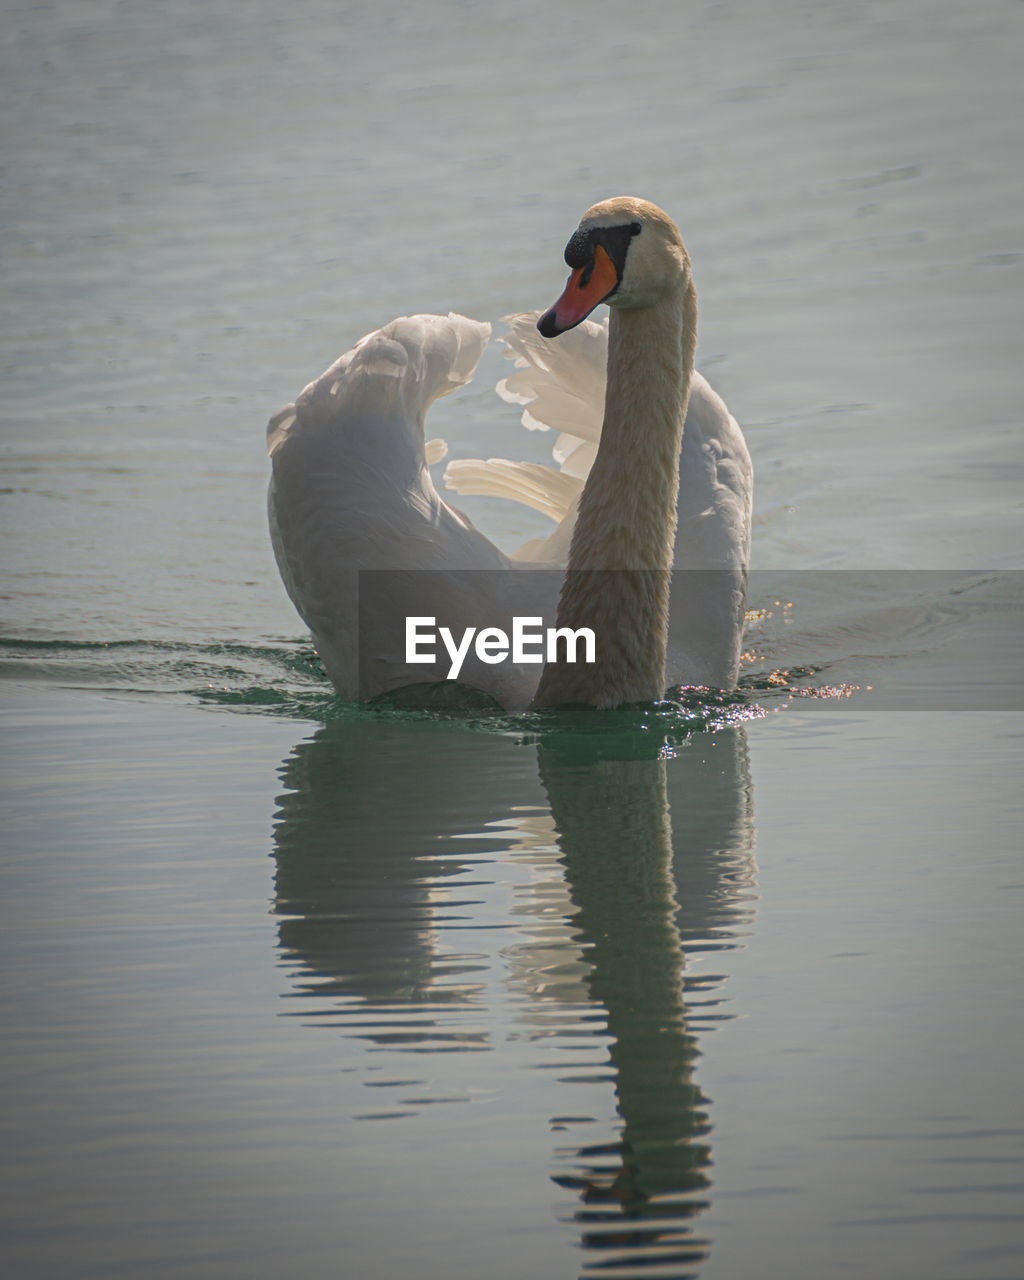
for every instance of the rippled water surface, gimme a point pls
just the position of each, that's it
(724, 988)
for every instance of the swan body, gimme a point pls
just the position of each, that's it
(652, 475)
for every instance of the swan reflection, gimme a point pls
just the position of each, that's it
(419, 863)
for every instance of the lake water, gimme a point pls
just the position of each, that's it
(293, 987)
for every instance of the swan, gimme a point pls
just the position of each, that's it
(660, 480)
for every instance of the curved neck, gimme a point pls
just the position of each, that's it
(618, 577)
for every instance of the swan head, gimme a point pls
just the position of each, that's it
(626, 252)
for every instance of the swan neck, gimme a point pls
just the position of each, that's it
(618, 576)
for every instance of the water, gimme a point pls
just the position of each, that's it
(724, 990)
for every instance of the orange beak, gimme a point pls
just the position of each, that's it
(587, 288)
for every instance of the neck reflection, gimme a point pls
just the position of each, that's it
(644, 886)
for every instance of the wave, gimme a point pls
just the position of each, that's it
(893, 639)
(283, 677)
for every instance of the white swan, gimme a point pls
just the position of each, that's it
(351, 489)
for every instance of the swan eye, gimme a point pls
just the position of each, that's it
(635, 228)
